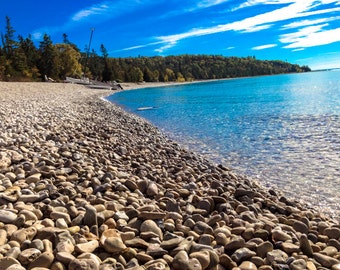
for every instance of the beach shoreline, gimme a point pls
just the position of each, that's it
(84, 182)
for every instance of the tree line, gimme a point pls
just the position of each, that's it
(22, 60)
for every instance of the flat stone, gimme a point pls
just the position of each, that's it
(299, 264)
(61, 215)
(137, 243)
(324, 260)
(151, 226)
(242, 254)
(310, 265)
(64, 257)
(171, 243)
(235, 243)
(181, 261)
(112, 242)
(246, 265)
(278, 235)
(89, 247)
(45, 260)
(155, 250)
(151, 215)
(289, 248)
(29, 255)
(34, 178)
(86, 264)
(6, 262)
(263, 248)
(277, 256)
(7, 216)
(203, 257)
(300, 227)
(65, 246)
(332, 233)
(329, 251)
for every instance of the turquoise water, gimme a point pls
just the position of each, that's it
(283, 130)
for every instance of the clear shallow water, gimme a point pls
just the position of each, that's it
(282, 130)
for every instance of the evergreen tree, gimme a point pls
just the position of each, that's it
(8, 40)
(48, 56)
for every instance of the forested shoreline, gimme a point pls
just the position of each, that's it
(22, 60)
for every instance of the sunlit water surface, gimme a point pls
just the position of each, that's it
(281, 130)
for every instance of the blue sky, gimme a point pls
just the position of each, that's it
(304, 32)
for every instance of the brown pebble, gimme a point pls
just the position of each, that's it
(247, 265)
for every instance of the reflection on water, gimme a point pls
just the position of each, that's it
(283, 130)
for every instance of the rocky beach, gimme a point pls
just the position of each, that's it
(85, 185)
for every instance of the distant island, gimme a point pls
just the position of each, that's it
(21, 60)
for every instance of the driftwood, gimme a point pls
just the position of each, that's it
(95, 84)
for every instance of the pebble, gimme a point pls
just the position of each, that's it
(246, 265)
(7, 216)
(112, 242)
(325, 261)
(45, 260)
(181, 261)
(263, 248)
(298, 264)
(242, 254)
(87, 247)
(151, 226)
(28, 255)
(277, 256)
(93, 187)
(289, 248)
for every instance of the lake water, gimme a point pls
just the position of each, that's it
(282, 130)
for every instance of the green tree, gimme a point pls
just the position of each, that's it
(8, 39)
(135, 74)
(48, 65)
(104, 52)
(67, 59)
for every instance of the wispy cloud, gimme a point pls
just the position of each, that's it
(293, 10)
(210, 3)
(309, 22)
(311, 36)
(251, 3)
(252, 29)
(263, 47)
(99, 9)
(99, 12)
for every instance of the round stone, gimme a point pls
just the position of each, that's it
(181, 261)
(246, 265)
(7, 216)
(151, 226)
(29, 255)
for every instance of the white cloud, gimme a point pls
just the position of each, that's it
(310, 37)
(257, 28)
(263, 47)
(296, 9)
(301, 33)
(210, 3)
(309, 22)
(251, 3)
(99, 12)
(94, 10)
